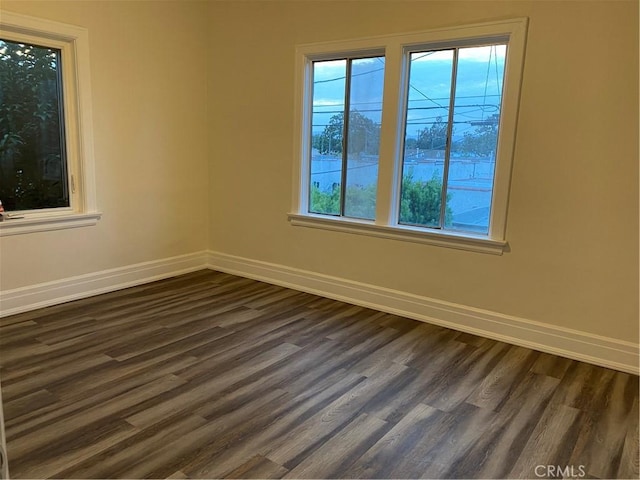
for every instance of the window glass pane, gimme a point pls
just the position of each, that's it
(329, 83)
(425, 137)
(478, 98)
(33, 171)
(363, 140)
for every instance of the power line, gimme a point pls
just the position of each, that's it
(344, 77)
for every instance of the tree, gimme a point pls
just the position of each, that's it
(360, 201)
(433, 137)
(364, 135)
(32, 171)
(482, 141)
(420, 201)
(325, 202)
(330, 140)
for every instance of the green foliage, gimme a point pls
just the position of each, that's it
(434, 137)
(325, 202)
(32, 171)
(482, 142)
(364, 135)
(419, 202)
(330, 140)
(361, 201)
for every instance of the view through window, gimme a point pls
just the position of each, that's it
(347, 111)
(451, 124)
(451, 132)
(33, 167)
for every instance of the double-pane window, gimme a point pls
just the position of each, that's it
(451, 133)
(345, 133)
(410, 136)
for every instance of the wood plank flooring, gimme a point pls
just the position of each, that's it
(209, 375)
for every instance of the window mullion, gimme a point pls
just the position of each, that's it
(447, 152)
(389, 174)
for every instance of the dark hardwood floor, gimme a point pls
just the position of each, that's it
(208, 375)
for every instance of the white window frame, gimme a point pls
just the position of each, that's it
(73, 42)
(396, 49)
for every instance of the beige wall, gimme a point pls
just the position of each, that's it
(149, 88)
(573, 216)
(179, 171)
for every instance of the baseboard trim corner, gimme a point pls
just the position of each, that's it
(41, 295)
(595, 349)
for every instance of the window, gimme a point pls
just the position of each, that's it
(46, 158)
(345, 133)
(410, 136)
(33, 163)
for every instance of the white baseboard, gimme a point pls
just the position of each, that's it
(575, 344)
(73, 288)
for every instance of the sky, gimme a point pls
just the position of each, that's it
(479, 78)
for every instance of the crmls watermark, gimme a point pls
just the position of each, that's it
(558, 471)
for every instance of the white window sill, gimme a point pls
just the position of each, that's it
(45, 223)
(459, 241)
